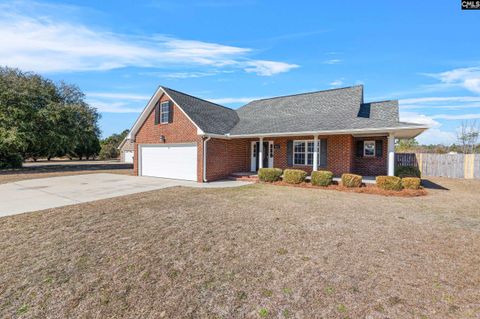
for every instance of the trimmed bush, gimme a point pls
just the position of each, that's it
(294, 176)
(389, 183)
(351, 180)
(411, 182)
(407, 171)
(322, 178)
(269, 174)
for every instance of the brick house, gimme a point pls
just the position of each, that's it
(185, 137)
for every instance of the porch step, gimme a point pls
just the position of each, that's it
(245, 177)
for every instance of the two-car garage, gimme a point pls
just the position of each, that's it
(177, 161)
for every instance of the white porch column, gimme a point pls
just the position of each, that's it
(260, 153)
(391, 154)
(315, 152)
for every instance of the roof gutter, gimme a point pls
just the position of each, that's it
(374, 130)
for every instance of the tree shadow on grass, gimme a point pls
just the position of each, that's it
(68, 168)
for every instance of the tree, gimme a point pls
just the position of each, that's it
(110, 145)
(406, 145)
(467, 136)
(39, 118)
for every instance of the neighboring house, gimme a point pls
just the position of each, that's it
(184, 137)
(126, 150)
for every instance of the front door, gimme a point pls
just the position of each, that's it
(267, 159)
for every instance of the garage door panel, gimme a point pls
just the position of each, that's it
(176, 161)
(128, 156)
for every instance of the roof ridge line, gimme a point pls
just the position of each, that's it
(305, 93)
(198, 98)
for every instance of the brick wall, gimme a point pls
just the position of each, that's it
(228, 156)
(371, 166)
(225, 157)
(181, 130)
(339, 153)
(340, 150)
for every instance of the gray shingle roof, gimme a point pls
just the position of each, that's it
(336, 109)
(210, 117)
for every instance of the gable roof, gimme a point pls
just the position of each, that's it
(209, 117)
(339, 110)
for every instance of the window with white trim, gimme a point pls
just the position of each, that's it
(369, 148)
(303, 153)
(164, 112)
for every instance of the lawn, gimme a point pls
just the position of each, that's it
(250, 252)
(45, 169)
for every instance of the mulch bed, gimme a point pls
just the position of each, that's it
(366, 188)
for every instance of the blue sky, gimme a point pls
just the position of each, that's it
(426, 54)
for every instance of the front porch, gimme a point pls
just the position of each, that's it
(366, 155)
(240, 158)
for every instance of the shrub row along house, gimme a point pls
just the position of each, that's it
(184, 137)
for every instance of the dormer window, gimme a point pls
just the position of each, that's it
(164, 112)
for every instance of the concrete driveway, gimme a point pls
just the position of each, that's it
(37, 194)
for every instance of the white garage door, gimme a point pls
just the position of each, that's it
(128, 156)
(177, 161)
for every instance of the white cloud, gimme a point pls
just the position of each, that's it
(113, 106)
(187, 75)
(338, 82)
(413, 117)
(441, 99)
(268, 68)
(332, 61)
(460, 106)
(437, 136)
(472, 116)
(43, 43)
(468, 78)
(122, 96)
(434, 135)
(450, 103)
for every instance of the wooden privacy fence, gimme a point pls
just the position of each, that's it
(446, 165)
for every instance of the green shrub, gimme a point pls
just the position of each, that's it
(294, 176)
(322, 178)
(390, 183)
(269, 174)
(411, 182)
(407, 171)
(351, 180)
(12, 160)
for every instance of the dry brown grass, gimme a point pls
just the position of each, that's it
(24, 175)
(259, 250)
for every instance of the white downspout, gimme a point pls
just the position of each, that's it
(205, 158)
